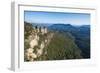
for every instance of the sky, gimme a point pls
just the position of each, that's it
(57, 17)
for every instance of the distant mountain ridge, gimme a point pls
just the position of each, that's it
(61, 26)
(58, 24)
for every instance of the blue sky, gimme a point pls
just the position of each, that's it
(57, 17)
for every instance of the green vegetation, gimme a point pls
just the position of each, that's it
(27, 29)
(62, 47)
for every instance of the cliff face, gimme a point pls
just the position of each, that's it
(36, 46)
(37, 40)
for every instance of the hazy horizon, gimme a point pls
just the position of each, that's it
(76, 19)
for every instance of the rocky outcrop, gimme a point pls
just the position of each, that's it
(38, 40)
